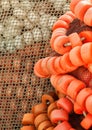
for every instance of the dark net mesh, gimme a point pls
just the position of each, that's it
(25, 31)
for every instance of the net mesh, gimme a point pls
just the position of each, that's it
(25, 31)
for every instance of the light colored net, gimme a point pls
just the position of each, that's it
(25, 31)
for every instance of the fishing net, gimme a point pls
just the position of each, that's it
(25, 32)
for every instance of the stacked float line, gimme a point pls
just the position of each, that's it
(66, 63)
(61, 40)
(75, 89)
(82, 10)
(51, 114)
(78, 93)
